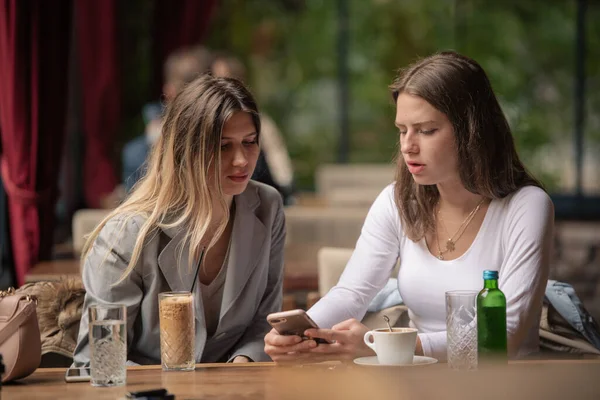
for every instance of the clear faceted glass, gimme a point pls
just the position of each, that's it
(108, 344)
(177, 331)
(461, 328)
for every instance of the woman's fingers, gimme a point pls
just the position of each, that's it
(345, 342)
(327, 334)
(334, 348)
(337, 330)
(302, 346)
(282, 340)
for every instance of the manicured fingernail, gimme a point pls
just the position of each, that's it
(312, 344)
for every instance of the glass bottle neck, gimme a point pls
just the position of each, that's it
(490, 284)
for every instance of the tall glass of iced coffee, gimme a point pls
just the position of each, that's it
(177, 331)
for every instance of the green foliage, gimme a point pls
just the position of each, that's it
(290, 46)
(593, 73)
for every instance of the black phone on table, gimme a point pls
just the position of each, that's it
(293, 322)
(158, 394)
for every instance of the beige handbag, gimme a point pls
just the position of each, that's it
(20, 344)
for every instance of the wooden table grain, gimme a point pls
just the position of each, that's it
(565, 379)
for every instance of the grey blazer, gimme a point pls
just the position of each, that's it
(252, 289)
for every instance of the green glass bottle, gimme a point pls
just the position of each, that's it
(491, 321)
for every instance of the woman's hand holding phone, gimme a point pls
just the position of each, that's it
(287, 339)
(286, 348)
(343, 342)
(347, 342)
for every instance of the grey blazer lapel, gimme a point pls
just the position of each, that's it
(173, 262)
(247, 242)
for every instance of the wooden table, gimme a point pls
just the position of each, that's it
(53, 270)
(520, 380)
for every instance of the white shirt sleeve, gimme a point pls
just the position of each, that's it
(524, 274)
(527, 235)
(369, 267)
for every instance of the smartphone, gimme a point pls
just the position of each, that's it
(293, 322)
(161, 394)
(78, 374)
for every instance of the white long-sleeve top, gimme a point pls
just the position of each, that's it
(515, 238)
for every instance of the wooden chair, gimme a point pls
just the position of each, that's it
(329, 178)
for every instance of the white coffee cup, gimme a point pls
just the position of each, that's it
(393, 348)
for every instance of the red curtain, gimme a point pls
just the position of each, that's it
(177, 24)
(96, 28)
(34, 44)
(34, 53)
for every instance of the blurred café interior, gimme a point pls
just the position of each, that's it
(83, 82)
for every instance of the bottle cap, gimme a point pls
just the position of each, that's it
(487, 274)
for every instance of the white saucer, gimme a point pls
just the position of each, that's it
(417, 361)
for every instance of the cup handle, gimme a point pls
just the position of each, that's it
(367, 340)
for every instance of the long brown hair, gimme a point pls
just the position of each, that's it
(488, 161)
(176, 191)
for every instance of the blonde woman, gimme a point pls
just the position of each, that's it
(196, 202)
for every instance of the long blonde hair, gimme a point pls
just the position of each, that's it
(488, 161)
(177, 191)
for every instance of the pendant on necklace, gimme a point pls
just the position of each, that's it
(450, 245)
(441, 256)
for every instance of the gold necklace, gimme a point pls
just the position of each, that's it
(451, 242)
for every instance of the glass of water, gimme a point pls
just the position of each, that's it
(461, 328)
(108, 344)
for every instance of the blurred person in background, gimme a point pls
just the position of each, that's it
(181, 67)
(194, 222)
(274, 165)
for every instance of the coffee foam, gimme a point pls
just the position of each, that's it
(178, 299)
